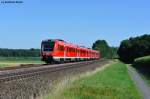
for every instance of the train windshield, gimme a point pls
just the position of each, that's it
(48, 46)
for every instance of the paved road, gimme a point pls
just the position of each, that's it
(143, 88)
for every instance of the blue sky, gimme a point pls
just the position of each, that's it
(77, 21)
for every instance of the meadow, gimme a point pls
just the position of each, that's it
(111, 83)
(13, 61)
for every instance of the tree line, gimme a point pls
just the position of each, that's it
(134, 47)
(101, 45)
(105, 50)
(19, 52)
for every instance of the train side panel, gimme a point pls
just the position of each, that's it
(56, 50)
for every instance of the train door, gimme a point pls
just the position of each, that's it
(65, 52)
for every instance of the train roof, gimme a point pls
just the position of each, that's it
(54, 40)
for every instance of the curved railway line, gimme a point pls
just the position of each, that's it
(10, 74)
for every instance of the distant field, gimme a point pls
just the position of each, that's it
(13, 61)
(111, 83)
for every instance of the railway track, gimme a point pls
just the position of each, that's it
(22, 73)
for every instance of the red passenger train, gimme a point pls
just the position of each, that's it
(56, 50)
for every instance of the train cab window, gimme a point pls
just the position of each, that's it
(48, 45)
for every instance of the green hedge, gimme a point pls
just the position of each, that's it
(142, 62)
(133, 48)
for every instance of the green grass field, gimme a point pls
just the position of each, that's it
(13, 61)
(111, 83)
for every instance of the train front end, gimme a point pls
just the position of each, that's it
(47, 48)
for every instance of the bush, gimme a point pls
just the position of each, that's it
(142, 64)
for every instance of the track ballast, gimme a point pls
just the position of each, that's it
(22, 73)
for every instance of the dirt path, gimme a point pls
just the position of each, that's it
(143, 88)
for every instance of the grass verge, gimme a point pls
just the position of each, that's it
(111, 83)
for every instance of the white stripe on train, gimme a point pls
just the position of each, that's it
(72, 57)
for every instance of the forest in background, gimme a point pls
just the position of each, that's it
(101, 45)
(105, 50)
(4, 52)
(128, 50)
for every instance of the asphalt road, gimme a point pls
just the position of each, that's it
(141, 85)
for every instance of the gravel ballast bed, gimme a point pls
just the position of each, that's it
(31, 88)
